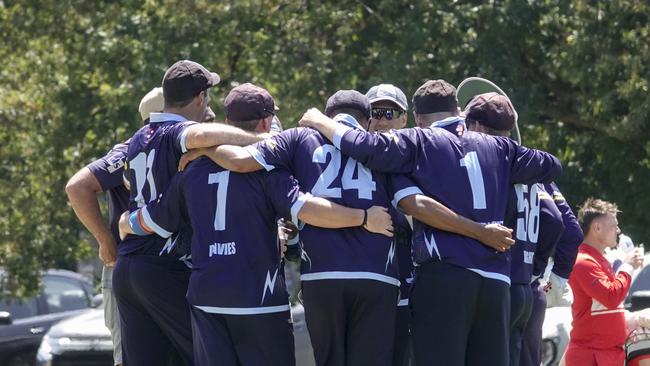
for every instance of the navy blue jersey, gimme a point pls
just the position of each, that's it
(109, 172)
(152, 160)
(537, 225)
(351, 253)
(471, 175)
(235, 253)
(566, 248)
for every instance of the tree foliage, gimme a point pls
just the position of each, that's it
(74, 72)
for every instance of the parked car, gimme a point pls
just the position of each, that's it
(85, 340)
(23, 323)
(555, 334)
(79, 340)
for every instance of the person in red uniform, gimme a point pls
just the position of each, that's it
(599, 330)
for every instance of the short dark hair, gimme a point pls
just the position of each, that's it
(486, 129)
(181, 103)
(592, 209)
(249, 125)
(358, 115)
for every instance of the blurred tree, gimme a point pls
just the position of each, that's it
(74, 72)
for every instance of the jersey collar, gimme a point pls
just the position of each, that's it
(165, 117)
(448, 121)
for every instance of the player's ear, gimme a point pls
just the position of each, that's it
(265, 124)
(596, 226)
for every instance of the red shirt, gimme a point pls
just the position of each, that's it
(598, 294)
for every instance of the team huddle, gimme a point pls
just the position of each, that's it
(424, 245)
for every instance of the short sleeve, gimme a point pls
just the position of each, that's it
(109, 169)
(276, 151)
(178, 133)
(283, 190)
(400, 187)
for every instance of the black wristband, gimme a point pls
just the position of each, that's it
(365, 217)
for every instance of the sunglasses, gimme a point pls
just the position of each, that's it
(388, 113)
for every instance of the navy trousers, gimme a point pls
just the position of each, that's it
(243, 340)
(521, 304)
(531, 349)
(154, 314)
(459, 317)
(351, 322)
(403, 349)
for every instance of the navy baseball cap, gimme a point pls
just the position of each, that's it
(185, 79)
(348, 99)
(435, 96)
(390, 93)
(248, 102)
(492, 110)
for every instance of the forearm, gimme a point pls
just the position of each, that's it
(234, 158)
(437, 215)
(82, 195)
(124, 226)
(323, 213)
(612, 293)
(211, 134)
(326, 126)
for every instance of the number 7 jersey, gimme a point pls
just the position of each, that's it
(351, 253)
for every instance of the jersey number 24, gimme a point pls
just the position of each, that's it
(363, 183)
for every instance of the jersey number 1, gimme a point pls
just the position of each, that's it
(473, 166)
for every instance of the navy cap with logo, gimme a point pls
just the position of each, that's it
(248, 102)
(185, 79)
(492, 110)
(348, 99)
(435, 96)
(388, 92)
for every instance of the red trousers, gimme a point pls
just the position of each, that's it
(582, 356)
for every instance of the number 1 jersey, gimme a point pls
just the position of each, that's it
(471, 175)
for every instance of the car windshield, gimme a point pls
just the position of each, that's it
(20, 308)
(62, 294)
(642, 281)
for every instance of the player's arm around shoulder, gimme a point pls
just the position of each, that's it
(235, 158)
(210, 134)
(530, 166)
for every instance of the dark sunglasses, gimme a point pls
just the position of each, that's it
(388, 113)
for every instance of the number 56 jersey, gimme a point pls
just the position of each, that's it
(351, 253)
